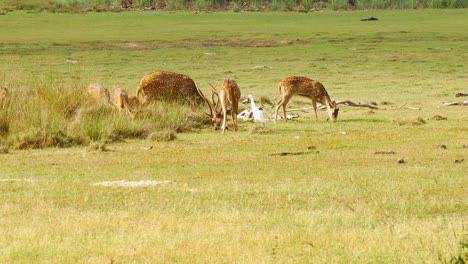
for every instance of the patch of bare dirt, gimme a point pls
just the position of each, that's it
(124, 183)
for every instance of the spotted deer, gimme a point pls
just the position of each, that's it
(169, 85)
(302, 86)
(4, 98)
(228, 98)
(125, 103)
(99, 92)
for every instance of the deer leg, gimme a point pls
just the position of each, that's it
(224, 122)
(234, 119)
(234, 116)
(282, 103)
(285, 102)
(224, 109)
(278, 105)
(314, 105)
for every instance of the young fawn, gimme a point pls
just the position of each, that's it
(229, 98)
(125, 103)
(302, 86)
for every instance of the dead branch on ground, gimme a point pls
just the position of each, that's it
(456, 103)
(390, 152)
(461, 94)
(351, 103)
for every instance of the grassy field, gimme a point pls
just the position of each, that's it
(229, 200)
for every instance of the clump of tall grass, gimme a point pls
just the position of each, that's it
(97, 146)
(163, 136)
(282, 5)
(52, 113)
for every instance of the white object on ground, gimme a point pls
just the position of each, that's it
(19, 180)
(125, 183)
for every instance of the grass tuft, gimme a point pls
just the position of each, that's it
(4, 149)
(259, 130)
(97, 146)
(57, 113)
(163, 136)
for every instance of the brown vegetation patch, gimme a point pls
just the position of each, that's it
(163, 136)
(190, 43)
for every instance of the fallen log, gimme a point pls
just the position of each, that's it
(409, 107)
(351, 103)
(456, 103)
(390, 152)
(461, 94)
(342, 102)
(311, 150)
(288, 153)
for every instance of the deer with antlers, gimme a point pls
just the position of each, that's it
(4, 96)
(302, 86)
(228, 97)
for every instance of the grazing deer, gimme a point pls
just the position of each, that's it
(123, 102)
(302, 86)
(99, 92)
(4, 97)
(163, 84)
(228, 97)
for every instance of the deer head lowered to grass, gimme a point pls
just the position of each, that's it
(125, 103)
(228, 101)
(168, 85)
(302, 86)
(99, 93)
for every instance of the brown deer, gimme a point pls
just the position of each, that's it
(4, 97)
(99, 92)
(123, 102)
(302, 86)
(228, 97)
(163, 84)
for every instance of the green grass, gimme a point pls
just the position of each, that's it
(229, 200)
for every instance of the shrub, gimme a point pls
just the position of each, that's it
(163, 136)
(307, 4)
(52, 113)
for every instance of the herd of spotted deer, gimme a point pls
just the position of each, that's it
(164, 84)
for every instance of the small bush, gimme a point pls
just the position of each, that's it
(119, 134)
(259, 130)
(41, 138)
(418, 121)
(265, 100)
(338, 4)
(97, 146)
(162, 136)
(4, 149)
(307, 5)
(4, 124)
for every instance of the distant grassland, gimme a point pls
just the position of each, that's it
(235, 5)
